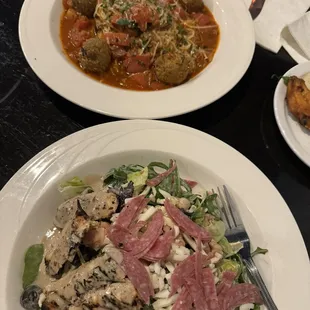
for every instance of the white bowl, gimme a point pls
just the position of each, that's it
(39, 37)
(29, 199)
(296, 136)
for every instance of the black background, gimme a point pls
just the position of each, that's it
(32, 117)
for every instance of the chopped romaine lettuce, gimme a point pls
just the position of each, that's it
(229, 265)
(230, 249)
(139, 179)
(72, 188)
(215, 228)
(198, 216)
(259, 251)
(118, 176)
(210, 204)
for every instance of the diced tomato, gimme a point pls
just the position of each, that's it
(137, 63)
(180, 12)
(141, 78)
(67, 4)
(118, 39)
(82, 23)
(207, 37)
(158, 85)
(115, 18)
(143, 15)
(118, 52)
(79, 37)
(81, 31)
(202, 19)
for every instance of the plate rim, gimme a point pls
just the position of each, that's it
(287, 215)
(151, 112)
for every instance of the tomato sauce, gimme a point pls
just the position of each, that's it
(75, 29)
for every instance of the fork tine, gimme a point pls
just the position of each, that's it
(232, 208)
(224, 210)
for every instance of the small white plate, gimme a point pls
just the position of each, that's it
(296, 136)
(39, 37)
(29, 199)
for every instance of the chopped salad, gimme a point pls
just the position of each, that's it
(144, 239)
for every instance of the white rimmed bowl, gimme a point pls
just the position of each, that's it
(29, 199)
(39, 37)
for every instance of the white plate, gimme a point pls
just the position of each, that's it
(297, 137)
(29, 199)
(39, 36)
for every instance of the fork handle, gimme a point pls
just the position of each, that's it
(256, 279)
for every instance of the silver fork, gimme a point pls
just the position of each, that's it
(236, 232)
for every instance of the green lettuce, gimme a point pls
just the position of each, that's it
(72, 188)
(139, 179)
(216, 229)
(118, 176)
(229, 265)
(230, 249)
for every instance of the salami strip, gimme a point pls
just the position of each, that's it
(184, 301)
(139, 277)
(226, 283)
(185, 223)
(161, 248)
(241, 294)
(191, 183)
(141, 246)
(137, 227)
(121, 237)
(210, 289)
(184, 270)
(159, 178)
(196, 293)
(131, 211)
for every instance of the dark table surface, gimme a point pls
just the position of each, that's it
(32, 117)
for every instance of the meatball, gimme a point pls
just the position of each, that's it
(85, 7)
(172, 68)
(192, 5)
(95, 56)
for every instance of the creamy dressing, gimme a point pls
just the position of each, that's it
(95, 181)
(51, 236)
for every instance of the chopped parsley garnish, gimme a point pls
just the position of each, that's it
(123, 22)
(182, 31)
(126, 22)
(169, 19)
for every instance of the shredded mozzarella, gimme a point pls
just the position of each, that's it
(150, 211)
(162, 303)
